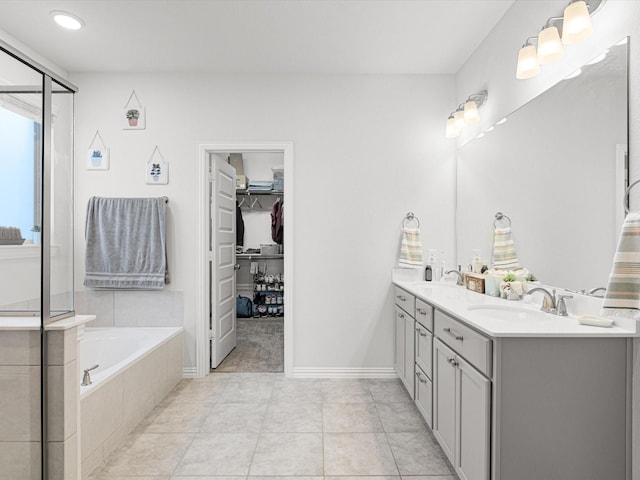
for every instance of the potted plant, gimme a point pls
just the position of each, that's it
(96, 158)
(133, 114)
(36, 234)
(510, 288)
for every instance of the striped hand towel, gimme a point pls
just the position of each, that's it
(410, 249)
(623, 291)
(504, 250)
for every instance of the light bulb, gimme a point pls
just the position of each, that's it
(549, 46)
(528, 65)
(471, 114)
(451, 131)
(576, 25)
(459, 120)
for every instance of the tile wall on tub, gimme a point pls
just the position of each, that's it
(131, 308)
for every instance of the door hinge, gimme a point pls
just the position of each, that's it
(210, 256)
(212, 177)
(211, 335)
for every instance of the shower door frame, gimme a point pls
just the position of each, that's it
(48, 77)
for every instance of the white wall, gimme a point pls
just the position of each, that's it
(493, 64)
(367, 149)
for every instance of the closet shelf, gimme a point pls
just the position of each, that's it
(259, 192)
(259, 256)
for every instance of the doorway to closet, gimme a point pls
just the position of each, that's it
(241, 255)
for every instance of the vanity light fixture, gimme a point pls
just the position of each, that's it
(575, 27)
(67, 20)
(528, 65)
(549, 44)
(466, 114)
(577, 23)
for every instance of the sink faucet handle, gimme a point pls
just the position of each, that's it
(561, 307)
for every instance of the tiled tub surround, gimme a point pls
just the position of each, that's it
(138, 368)
(130, 308)
(234, 425)
(20, 397)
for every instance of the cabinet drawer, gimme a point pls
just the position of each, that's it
(424, 349)
(424, 314)
(405, 300)
(473, 346)
(424, 395)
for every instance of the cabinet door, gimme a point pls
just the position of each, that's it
(424, 395)
(409, 355)
(474, 393)
(444, 397)
(424, 350)
(399, 342)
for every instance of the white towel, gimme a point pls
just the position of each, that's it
(623, 291)
(410, 249)
(504, 251)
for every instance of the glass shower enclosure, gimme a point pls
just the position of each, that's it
(36, 251)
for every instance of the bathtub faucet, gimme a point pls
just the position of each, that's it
(86, 378)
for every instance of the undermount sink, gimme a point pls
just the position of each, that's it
(511, 313)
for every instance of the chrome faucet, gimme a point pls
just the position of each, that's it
(593, 291)
(552, 303)
(86, 378)
(460, 280)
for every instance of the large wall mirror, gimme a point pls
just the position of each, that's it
(557, 167)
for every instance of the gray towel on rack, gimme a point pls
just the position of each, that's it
(125, 243)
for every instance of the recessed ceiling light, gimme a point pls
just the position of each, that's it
(67, 20)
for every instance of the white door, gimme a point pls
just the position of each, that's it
(222, 259)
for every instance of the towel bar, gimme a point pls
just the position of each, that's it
(501, 216)
(409, 217)
(626, 196)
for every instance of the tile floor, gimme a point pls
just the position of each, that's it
(238, 426)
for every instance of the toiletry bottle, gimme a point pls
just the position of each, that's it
(477, 261)
(428, 274)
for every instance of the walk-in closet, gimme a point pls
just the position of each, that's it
(259, 263)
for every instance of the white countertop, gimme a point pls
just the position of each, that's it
(33, 323)
(456, 300)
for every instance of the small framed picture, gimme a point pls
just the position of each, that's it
(97, 154)
(157, 169)
(134, 118)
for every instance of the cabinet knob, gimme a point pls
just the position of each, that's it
(401, 315)
(421, 332)
(401, 298)
(421, 312)
(452, 361)
(420, 378)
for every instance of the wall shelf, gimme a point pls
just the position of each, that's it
(259, 256)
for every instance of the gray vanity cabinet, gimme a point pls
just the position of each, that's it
(424, 355)
(462, 398)
(404, 338)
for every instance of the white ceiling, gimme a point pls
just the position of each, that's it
(257, 36)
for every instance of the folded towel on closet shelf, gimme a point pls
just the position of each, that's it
(410, 249)
(622, 298)
(504, 251)
(125, 243)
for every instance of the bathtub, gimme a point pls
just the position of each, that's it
(137, 368)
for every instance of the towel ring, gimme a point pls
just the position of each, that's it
(501, 216)
(625, 201)
(409, 217)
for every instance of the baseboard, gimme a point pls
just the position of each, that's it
(336, 372)
(189, 372)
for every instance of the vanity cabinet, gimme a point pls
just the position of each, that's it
(423, 360)
(404, 338)
(462, 397)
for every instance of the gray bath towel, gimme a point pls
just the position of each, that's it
(126, 247)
